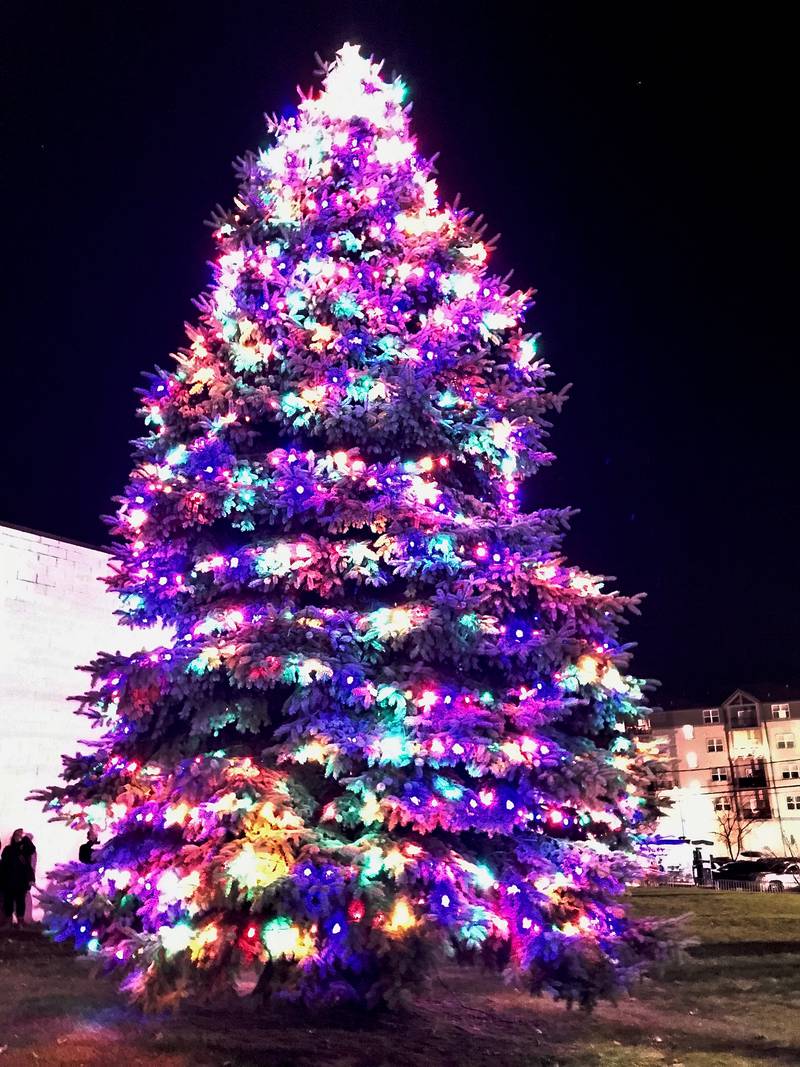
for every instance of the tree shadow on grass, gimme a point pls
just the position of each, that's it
(699, 975)
(744, 948)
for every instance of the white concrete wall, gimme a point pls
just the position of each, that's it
(55, 615)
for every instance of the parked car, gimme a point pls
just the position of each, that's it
(780, 875)
(739, 870)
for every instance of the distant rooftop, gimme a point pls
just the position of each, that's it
(766, 692)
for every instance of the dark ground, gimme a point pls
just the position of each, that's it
(733, 1006)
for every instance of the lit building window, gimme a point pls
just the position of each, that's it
(691, 760)
(688, 731)
(780, 711)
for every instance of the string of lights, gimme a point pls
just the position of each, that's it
(393, 719)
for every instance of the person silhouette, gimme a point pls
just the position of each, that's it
(16, 876)
(87, 848)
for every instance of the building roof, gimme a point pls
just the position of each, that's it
(53, 537)
(713, 697)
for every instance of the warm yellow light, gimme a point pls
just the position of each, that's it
(401, 919)
(201, 940)
(612, 679)
(175, 815)
(280, 939)
(322, 335)
(370, 810)
(311, 667)
(395, 862)
(257, 868)
(313, 752)
(587, 669)
(137, 518)
(512, 750)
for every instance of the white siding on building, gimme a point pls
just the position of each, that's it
(55, 614)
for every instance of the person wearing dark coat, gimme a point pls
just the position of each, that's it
(88, 846)
(16, 876)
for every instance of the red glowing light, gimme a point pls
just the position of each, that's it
(356, 910)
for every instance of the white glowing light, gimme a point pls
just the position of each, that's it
(137, 518)
(175, 938)
(390, 151)
(460, 285)
(354, 88)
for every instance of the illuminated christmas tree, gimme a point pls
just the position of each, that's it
(392, 722)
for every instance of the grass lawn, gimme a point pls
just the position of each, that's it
(725, 918)
(735, 1005)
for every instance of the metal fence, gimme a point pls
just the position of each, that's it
(723, 885)
(734, 886)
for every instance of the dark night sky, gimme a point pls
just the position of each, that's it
(635, 159)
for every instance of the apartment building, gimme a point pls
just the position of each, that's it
(734, 772)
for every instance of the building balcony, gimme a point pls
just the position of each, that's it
(754, 805)
(744, 721)
(751, 780)
(749, 773)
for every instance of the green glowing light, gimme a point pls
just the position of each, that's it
(373, 863)
(177, 455)
(441, 543)
(347, 307)
(449, 790)
(349, 242)
(291, 404)
(279, 937)
(296, 303)
(132, 601)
